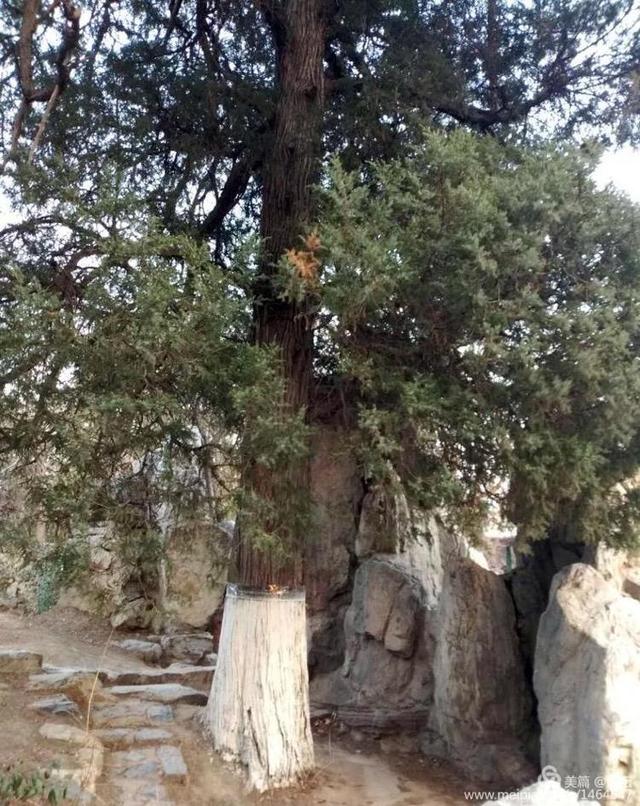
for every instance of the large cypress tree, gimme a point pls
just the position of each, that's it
(213, 120)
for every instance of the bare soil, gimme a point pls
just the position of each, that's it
(349, 773)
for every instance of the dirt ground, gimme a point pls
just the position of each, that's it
(348, 773)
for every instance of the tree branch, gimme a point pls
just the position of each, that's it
(24, 58)
(234, 187)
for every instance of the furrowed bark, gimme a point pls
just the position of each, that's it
(299, 29)
(258, 712)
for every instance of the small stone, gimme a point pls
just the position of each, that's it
(59, 704)
(148, 651)
(100, 559)
(19, 661)
(163, 692)
(191, 647)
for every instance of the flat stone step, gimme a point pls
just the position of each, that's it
(19, 661)
(131, 714)
(59, 678)
(86, 766)
(141, 792)
(58, 704)
(79, 684)
(163, 761)
(162, 692)
(121, 738)
(176, 673)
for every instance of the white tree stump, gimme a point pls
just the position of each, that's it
(258, 709)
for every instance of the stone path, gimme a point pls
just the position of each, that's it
(131, 753)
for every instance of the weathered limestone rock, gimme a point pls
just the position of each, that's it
(183, 591)
(197, 561)
(530, 583)
(481, 703)
(384, 683)
(19, 662)
(102, 589)
(587, 680)
(134, 613)
(431, 647)
(385, 522)
(18, 585)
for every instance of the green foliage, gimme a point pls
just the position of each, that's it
(487, 301)
(15, 784)
(479, 299)
(118, 398)
(56, 570)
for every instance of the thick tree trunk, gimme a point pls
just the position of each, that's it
(290, 169)
(258, 712)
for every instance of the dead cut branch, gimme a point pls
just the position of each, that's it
(51, 93)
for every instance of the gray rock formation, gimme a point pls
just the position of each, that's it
(481, 704)
(430, 647)
(383, 682)
(587, 681)
(196, 573)
(184, 591)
